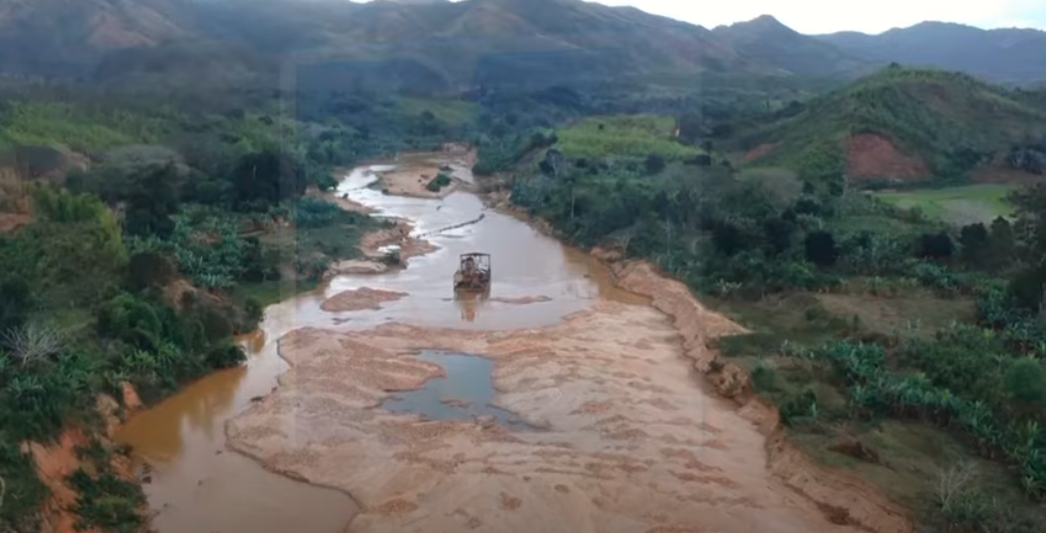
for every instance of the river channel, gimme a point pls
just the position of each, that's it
(196, 484)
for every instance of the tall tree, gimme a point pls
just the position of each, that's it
(152, 200)
(268, 176)
(975, 242)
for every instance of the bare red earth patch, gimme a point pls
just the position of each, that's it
(12, 221)
(760, 151)
(872, 156)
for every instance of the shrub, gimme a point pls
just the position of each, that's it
(439, 182)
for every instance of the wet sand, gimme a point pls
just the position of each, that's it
(632, 442)
(359, 300)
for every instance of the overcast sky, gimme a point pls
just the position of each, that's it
(825, 16)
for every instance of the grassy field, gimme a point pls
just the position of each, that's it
(50, 123)
(958, 205)
(628, 136)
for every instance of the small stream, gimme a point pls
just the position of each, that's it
(194, 484)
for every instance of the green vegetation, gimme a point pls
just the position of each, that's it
(105, 501)
(83, 129)
(438, 183)
(625, 136)
(952, 121)
(72, 262)
(956, 205)
(143, 268)
(875, 328)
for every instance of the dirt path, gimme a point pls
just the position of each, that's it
(632, 442)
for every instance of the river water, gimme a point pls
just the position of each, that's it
(195, 484)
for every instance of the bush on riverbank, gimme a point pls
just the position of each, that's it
(438, 183)
(77, 321)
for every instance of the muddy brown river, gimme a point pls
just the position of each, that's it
(560, 403)
(196, 484)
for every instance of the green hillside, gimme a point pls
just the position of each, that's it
(951, 121)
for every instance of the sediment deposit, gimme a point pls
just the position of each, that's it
(360, 299)
(631, 441)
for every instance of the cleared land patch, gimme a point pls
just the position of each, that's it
(958, 205)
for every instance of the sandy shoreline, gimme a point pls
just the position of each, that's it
(634, 444)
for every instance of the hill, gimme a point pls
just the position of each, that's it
(66, 38)
(767, 40)
(431, 45)
(1001, 55)
(438, 46)
(904, 124)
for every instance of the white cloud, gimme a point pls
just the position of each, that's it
(824, 16)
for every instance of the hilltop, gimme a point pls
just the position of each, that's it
(904, 124)
(768, 40)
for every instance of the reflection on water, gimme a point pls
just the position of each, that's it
(161, 437)
(469, 302)
(199, 487)
(466, 393)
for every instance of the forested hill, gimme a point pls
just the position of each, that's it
(903, 125)
(447, 47)
(443, 45)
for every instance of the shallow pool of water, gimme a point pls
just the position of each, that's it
(465, 393)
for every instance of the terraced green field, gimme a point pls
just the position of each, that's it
(628, 136)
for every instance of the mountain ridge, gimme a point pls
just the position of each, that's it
(1005, 55)
(452, 46)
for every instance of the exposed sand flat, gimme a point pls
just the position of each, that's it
(633, 443)
(416, 170)
(398, 235)
(412, 181)
(360, 299)
(354, 268)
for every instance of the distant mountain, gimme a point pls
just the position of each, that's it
(425, 45)
(64, 38)
(438, 46)
(768, 41)
(1004, 55)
